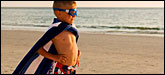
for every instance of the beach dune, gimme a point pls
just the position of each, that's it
(101, 53)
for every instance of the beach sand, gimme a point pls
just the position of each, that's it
(101, 53)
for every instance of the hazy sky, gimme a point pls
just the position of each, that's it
(85, 3)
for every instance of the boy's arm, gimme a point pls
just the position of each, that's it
(78, 58)
(59, 58)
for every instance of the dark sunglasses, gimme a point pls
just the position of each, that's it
(69, 11)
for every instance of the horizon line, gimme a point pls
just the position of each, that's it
(83, 7)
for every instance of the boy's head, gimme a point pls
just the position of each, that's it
(64, 16)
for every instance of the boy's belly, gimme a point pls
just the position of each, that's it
(69, 52)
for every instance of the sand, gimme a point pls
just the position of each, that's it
(101, 53)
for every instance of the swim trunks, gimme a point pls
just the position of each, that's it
(58, 68)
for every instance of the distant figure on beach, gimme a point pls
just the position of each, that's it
(56, 52)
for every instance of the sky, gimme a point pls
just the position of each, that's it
(85, 3)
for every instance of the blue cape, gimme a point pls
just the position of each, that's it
(32, 54)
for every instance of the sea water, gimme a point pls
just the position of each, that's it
(142, 21)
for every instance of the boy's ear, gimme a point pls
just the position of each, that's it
(57, 13)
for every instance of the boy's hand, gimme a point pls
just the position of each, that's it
(61, 58)
(78, 58)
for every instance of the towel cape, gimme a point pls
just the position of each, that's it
(37, 64)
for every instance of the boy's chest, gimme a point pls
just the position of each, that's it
(65, 42)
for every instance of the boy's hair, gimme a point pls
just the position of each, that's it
(59, 4)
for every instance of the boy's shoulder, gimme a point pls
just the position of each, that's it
(64, 35)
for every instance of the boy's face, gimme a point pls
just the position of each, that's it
(64, 16)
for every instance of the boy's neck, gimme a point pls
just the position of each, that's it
(56, 20)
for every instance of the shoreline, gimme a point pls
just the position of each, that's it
(43, 29)
(101, 53)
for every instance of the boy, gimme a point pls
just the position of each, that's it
(60, 54)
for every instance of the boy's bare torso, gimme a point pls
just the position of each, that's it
(65, 44)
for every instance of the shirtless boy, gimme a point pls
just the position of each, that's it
(65, 42)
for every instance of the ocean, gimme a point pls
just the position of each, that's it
(131, 21)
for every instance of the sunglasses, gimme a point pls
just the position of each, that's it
(71, 12)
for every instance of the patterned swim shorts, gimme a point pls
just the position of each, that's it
(58, 68)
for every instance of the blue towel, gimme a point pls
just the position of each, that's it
(31, 57)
